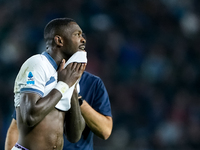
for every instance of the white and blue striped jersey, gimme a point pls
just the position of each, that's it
(38, 74)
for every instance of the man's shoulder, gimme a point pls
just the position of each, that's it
(90, 80)
(35, 61)
(88, 75)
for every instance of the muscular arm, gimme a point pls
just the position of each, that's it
(12, 135)
(33, 108)
(99, 124)
(74, 120)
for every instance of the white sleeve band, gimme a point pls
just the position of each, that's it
(62, 87)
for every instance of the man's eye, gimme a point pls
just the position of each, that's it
(77, 34)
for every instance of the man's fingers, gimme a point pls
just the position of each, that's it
(78, 66)
(74, 65)
(83, 66)
(62, 65)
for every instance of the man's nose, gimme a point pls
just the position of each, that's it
(83, 40)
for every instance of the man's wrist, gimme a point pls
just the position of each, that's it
(62, 87)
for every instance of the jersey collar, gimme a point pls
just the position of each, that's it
(51, 60)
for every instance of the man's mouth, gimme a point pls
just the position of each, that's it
(82, 47)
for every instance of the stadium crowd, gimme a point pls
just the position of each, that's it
(146, 52)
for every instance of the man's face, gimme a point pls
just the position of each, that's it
(73, 39)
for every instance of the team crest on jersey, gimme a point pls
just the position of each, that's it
(30, 79)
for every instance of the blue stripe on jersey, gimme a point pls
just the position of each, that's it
(51, 60)
(30, 90)
(52, 79)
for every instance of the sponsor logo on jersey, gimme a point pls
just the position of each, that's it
(30, 78)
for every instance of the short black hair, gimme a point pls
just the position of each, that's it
(55, 25)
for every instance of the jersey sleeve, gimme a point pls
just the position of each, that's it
(31, 77)
(102, 102)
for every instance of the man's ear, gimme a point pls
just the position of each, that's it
(58, 40)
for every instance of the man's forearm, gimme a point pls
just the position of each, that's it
(74, 121)
(33, 108)
(101, 125)
(12, 135)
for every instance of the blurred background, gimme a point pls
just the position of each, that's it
(147, 52)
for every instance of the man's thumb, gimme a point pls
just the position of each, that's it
(62, 65)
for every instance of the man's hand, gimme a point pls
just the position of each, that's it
(71, 73)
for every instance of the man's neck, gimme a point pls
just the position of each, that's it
(55, 55)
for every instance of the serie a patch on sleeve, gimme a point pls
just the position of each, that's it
(30, 78)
